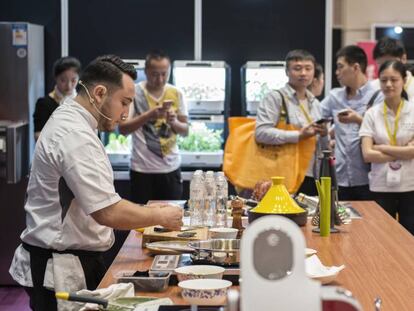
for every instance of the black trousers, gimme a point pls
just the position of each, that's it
(356, 193)
(401, 203)
(42, 299)
(165, 186)
(308, 186)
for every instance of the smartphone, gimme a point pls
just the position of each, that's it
(323, 120)
(343, 112)
(166, 104)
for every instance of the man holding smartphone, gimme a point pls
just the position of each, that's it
(303, 109)
(156, 117)
(347, 105)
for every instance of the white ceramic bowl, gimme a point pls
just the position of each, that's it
(199, 272)
(205, 292)
(223, 233)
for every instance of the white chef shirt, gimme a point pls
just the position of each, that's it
(71, 177)
(373, 126)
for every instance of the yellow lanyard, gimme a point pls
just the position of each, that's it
(305, 113)
(393, 137)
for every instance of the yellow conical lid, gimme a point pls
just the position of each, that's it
(277, 200)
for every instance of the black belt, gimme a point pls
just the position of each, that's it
(48, 252)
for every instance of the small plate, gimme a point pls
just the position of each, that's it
(310, 252)
(169, 247)
(317, 271)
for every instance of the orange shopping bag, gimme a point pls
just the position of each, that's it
(246, 162)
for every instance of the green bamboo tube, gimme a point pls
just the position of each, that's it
(325, 205)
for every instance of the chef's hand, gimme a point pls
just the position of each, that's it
(351, 117)
(171, 216)
(307, 131)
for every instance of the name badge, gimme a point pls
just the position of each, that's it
(394, 173)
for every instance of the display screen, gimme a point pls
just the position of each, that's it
(202, 137)
(201, 83)
(259, 81)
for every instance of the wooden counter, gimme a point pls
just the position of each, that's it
(378, 254)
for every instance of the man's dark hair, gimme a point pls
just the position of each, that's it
(387, 46)
(157, 55)
(400, 68)
(65, 63)
(107, 69)
(299, 55)
(354, 55)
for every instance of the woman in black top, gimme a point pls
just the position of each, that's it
(66, 73)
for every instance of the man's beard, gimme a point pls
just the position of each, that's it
(104, 124)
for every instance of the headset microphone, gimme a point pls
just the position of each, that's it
(96, 108)
(92, 101)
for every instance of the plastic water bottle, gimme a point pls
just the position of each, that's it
(200, 173)
(209, 200)
(222, 194)
(196, 203)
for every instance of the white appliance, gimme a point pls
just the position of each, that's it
(273, 276)
(206, 88)
(21, 84)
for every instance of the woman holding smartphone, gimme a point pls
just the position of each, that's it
(387, 134)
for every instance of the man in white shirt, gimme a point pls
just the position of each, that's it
(392, 49)
(156, 117)
(71, 203)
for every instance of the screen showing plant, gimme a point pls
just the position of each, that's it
(201, 138)
(201, 83)
(260, 81)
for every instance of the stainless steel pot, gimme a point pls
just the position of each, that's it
(217, 251)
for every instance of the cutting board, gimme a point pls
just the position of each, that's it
(150, 235)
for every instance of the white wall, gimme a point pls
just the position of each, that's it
(355, 17)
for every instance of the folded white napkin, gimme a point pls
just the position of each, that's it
(316, 270)
(64, 273)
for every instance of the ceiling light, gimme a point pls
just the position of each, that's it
(398, 30)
